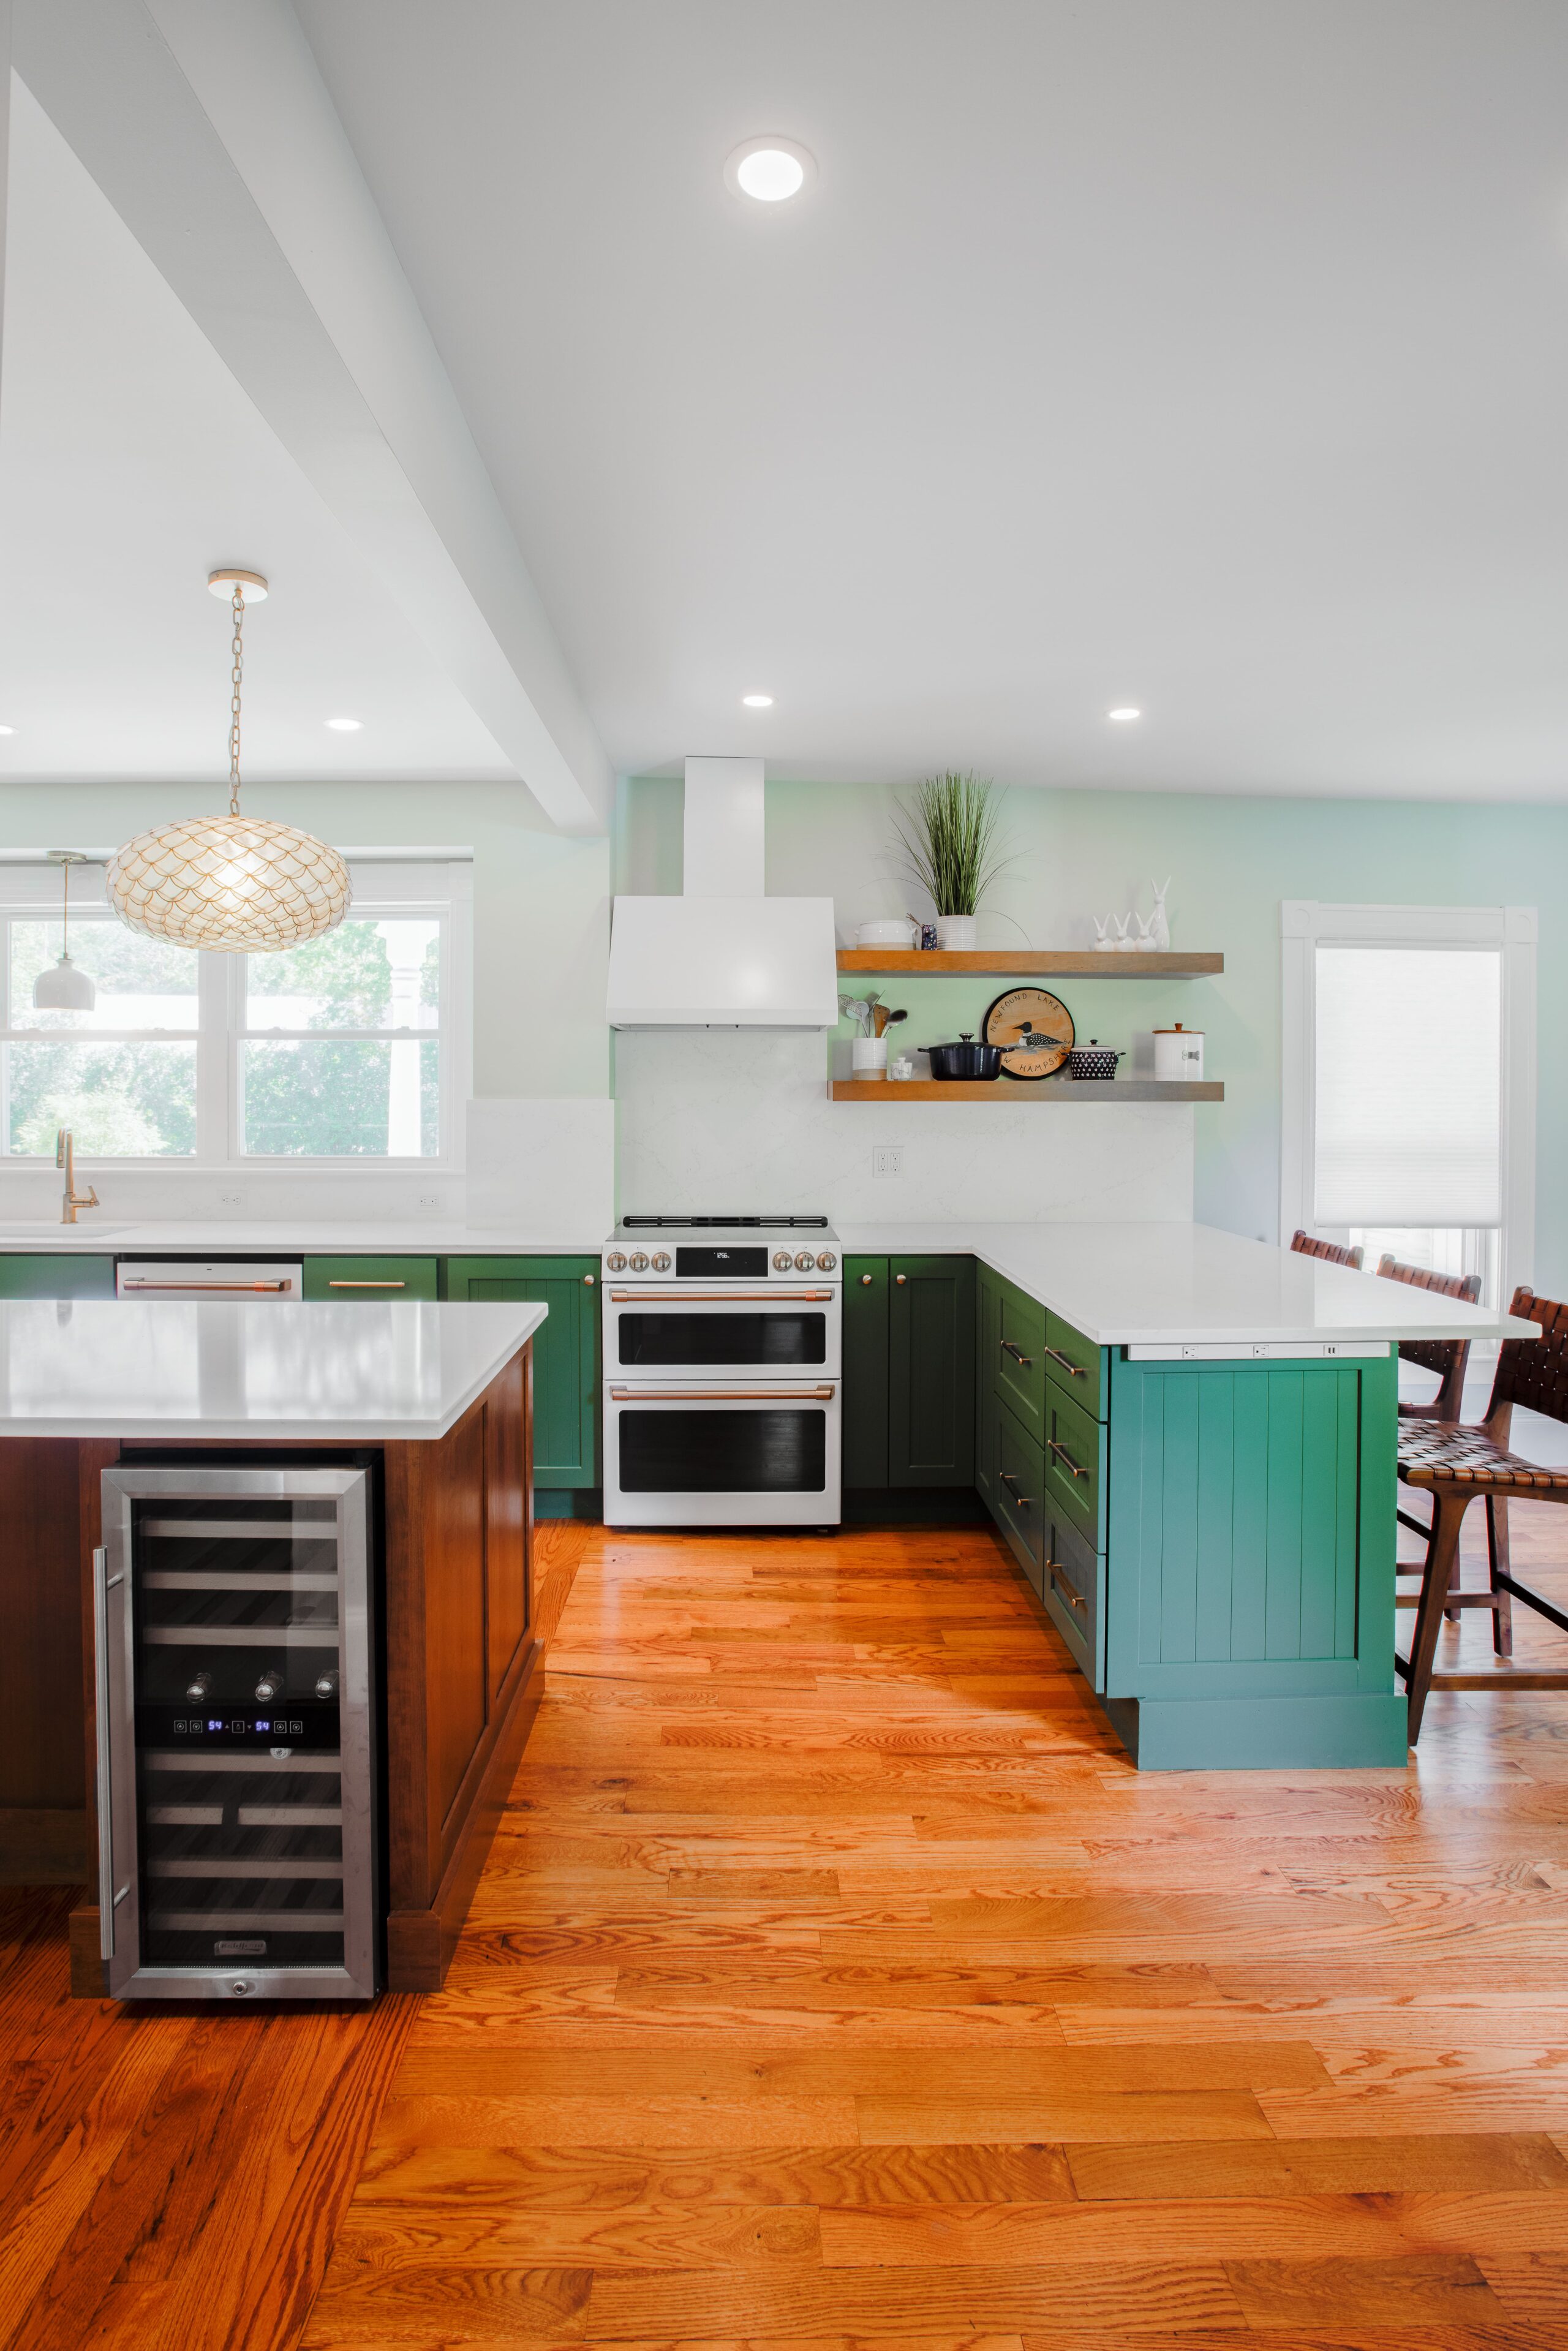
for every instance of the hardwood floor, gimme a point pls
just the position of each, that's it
(833, 1980)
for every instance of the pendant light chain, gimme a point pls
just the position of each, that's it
(235, 675)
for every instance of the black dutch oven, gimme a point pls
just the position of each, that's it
(966, 1061)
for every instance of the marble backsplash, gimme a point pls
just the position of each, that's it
(726, 1119)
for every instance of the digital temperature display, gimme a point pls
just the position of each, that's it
(309, 1723)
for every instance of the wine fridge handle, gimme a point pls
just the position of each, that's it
(101, 1749)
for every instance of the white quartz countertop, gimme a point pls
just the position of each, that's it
(243, 1237)
(1161, 1285)
(169, 1370)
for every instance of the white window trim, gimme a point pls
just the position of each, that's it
(385, 884)
(1305, 924)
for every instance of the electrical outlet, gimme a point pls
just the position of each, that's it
(231, 1199)
(430, 1200)
(887, 1159)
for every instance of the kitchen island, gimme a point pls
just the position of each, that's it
(1187, 1440)
(434, 1400)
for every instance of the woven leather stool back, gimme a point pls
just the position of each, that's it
(1533, 1373)
(1438, 1356)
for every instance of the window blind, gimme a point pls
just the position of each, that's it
(1408, 1086)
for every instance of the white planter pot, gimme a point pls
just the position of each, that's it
(868, 1057)
(956, 934)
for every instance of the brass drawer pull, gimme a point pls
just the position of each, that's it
(367, 1285)
(1023, 1501)
(866, 1279)
(1017, 1353)
(1073, 1468)
(1076, 1371)
(900, 1278)
(588, 1280)
(1058, 1583)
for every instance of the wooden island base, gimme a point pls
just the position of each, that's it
(462, 1679)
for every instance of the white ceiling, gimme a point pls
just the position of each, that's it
(1210, 357)
(131, 464)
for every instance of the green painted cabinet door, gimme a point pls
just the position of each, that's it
(566, 1353)
(931, 1383)
(57, 1277)
(350, 1278)
(865, 1379)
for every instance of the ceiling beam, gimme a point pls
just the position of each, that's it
(211, 133)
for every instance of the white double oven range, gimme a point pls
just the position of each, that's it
(723, 1340)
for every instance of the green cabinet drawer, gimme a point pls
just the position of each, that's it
(931, 1373)
(1074, 1590)
(1073, 1465)
(566, 1353)
(1019, 1508)
(865, 1380)
(57, 1277)
(350, 1278)
(1078, 1364)
(1017, 1357)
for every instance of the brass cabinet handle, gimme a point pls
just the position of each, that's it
(900, 1278)
(367, 1285)
(867, 1279)
(1016, 1353)
(587, 1280)
(1073, 1468)
(1011, 1483)
(1076, 1370)
(1060, 1583)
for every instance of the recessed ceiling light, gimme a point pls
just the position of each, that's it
(1124, 715)
(7, 730)
(757, 701)
(345, 725)
(769, 170)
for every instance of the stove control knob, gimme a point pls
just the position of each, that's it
(639, 1261)
(782, 1260)
(805, 1261)
(826, 1261)
(661, 1261)
(616, 1262)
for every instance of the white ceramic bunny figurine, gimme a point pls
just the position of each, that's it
(1159, 927)
(1144, 940)
(1103, 939)
(1126, 943)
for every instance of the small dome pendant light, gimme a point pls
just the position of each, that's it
(235, 883)
(64, 989)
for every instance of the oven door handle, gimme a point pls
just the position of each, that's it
(823, 1395)
(247, 1286)
(720, 1297)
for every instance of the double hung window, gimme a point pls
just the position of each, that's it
(353, 1048)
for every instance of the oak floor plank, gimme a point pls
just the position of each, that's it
(1442, 2164)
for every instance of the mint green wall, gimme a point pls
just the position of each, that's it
(541, 914)
(1231, 862)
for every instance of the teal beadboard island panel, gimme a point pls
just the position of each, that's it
(1251, 1542)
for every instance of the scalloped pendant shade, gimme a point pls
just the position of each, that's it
(234, 883)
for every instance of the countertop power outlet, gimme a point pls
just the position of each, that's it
(887, 1159)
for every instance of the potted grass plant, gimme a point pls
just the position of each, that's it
(952, 847)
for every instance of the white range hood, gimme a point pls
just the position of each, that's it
(722, 955)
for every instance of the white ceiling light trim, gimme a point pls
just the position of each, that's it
(769, 170)
(232, 883)
(757, 700)
(345, 725)
(1124, 714)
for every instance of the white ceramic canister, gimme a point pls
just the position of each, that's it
(894, 931)
(868, 1057)
(1178, 1053)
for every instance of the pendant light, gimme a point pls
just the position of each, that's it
(64, 989)
(235, 884)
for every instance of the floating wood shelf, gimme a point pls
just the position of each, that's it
(1038, 962)
(1012, 1090)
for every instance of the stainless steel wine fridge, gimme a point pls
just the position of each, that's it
(236, 1734)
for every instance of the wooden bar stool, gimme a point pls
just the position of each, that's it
(1449, 1358)
(1329, 1252)
(1457, 1465)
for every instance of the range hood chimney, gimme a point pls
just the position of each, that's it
(723, 954)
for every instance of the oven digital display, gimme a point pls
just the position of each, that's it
(721, 1264)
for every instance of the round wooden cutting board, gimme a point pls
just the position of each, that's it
(1035, 1027)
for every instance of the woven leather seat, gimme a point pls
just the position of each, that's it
(1459, 1465)
(1434, 1451)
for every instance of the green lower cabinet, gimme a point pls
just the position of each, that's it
(865, 1373)
(1250, 1542)
(351, 1278)
(931, 1370)
(565, 1355)
(1075, 1454)
(57, 1277)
